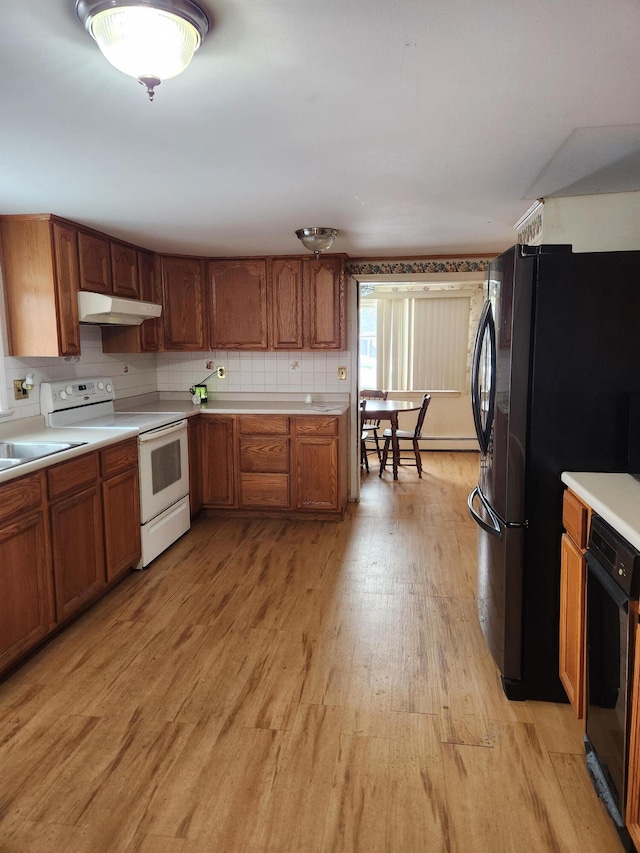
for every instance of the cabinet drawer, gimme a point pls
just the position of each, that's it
(70, 477)
(317, 425)
(18, 497)
(264, 490)
(120, 457)
(264, 454)
(575, 518)
(263, 425)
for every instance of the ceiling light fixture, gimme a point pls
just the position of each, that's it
(151, 40)
(317, 239)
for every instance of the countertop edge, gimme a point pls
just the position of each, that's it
(614, 497)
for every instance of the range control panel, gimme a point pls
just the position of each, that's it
(70, 393)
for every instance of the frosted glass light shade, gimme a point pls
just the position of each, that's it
(151, 40)
(144, 42)
(317, 239)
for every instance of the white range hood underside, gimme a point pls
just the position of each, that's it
(105, 310)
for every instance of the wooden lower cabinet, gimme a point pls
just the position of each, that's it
(573, 576)
(275, 463)
(25, 611)
(121, 508)
(77, 548)
(632, 815)
(218, 466)
(195, 464)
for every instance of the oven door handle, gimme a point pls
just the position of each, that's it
(161, 432)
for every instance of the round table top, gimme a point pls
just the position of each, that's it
(381, 407)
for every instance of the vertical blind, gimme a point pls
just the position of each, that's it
(422, 343)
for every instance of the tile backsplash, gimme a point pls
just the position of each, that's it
(295, 371)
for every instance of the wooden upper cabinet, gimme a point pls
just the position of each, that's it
(183, 303)
(124, 270)
(40, 268)
(94, 254)
(238, 304)
(324, 304)
(285, 295)
(147, 337)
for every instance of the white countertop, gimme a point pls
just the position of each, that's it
(93, 439)
(614, 497)
(258, 405)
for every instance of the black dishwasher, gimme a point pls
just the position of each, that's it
(613, 577)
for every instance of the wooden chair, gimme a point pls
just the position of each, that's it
(372, 426)
(407, 436)
(364, 435)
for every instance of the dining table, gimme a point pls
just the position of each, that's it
(388, 410)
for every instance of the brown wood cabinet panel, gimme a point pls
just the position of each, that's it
(150, 289)
(269, 455)
(124, 270)
(69, 477)
(77, 546)
(264, 490)
(119, 457)
(218, 481)
(316, 425)
(285, 289)
(67, 278)
(94, 255)
(195, 464)
(121, 508)
(324, 304)
(572, 624)
(183, 301)
(19, 497)
(632, 816)
(24, 606)
(238, 300)
(41, 278)
(575, 518)
(316, 480)
(263, 425)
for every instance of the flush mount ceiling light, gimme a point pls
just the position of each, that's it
(317, 239)
(151, 40)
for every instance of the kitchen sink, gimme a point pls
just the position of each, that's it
(14, 453)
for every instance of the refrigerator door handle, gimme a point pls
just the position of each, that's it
(483, 391)
(494, 529)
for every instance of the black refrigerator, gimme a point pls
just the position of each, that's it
(556, 363)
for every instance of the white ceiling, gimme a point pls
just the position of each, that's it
(414, 126)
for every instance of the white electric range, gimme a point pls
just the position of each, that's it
(163, 455)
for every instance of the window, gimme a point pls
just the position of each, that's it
(414, 341)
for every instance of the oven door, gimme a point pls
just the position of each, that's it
(164, 468)
(609, 643)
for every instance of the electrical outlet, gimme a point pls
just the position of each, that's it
(221, 372)
(342, 373)
(19, 393)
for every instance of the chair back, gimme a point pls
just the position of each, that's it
(421, 415)
(369, 394)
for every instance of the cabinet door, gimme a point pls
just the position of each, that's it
(323, 304)
(218, 480)
(124, 270)
(316, 472)
(121, 507)
(94, 255)
(183, 301)
(24, 611)
(572, 623)
(78, 550)
(65, 247)
(238, 300)
(632, 817)
(150, 290)
(285, 296)
(195, 464)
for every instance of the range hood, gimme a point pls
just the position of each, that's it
(104, 310)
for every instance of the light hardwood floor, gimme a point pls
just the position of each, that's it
(272, 686)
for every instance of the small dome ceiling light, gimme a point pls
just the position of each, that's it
(151, 40)
(317, 239)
